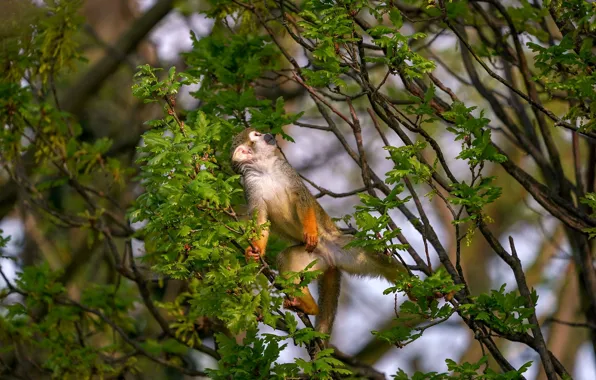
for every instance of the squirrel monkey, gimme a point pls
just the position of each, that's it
(275, 191)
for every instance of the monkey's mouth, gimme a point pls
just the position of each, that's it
(269, 139)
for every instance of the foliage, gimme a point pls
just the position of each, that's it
(423, 305)
(159, 305)
(466, 371)
(590, 200)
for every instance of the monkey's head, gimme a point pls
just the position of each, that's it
(249, 146)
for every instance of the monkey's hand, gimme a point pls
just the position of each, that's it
(252, 254)
(311, 240)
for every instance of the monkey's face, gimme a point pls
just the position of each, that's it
(251, 145)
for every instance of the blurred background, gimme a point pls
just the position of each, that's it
(98, 94)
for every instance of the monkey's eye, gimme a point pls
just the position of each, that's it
(257, 134)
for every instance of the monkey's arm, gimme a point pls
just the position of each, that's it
(258, 246)
(307, 213)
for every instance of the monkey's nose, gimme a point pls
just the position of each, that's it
(269, 139)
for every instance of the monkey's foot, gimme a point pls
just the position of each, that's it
(311, 240)
(296, 304)
(252, 254)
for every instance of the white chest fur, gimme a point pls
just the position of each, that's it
(271, 188)
(268, 186)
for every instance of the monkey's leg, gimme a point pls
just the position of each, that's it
(329, 286)
(295, 259)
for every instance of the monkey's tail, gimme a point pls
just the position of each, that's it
(362, 261)
(329, 285)
(354, 260)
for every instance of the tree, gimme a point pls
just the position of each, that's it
(488, 140)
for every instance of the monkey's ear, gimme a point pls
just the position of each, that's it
(241, 153)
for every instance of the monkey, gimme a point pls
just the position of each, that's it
(276, 193)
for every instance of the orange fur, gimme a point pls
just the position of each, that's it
(305, 303)
(257, 247)
(311, 234)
